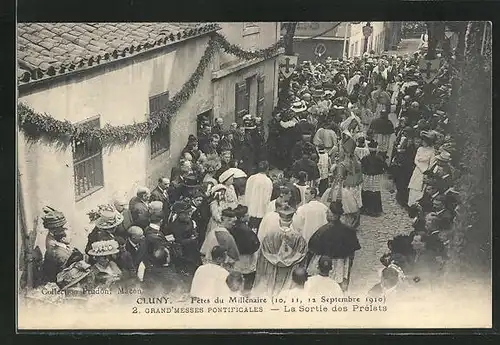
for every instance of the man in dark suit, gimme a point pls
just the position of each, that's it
(135, 245)
(138, 207)
(160, 193)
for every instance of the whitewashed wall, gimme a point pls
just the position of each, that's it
(120, 95)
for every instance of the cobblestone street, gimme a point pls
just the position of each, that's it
(373, 234)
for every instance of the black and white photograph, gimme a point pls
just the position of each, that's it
(254, 175)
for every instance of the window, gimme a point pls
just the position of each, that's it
(260, 96)
(87, 163)
(250, 28)
(160, 139)
(242, 104)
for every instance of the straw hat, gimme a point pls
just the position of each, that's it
(72, 275)
(298, 107)
(109, 218)
(104, 248)
(226, 175)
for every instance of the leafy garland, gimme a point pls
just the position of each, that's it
(43, 127)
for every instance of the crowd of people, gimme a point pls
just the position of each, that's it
(246, 215)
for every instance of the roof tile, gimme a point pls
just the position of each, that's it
(47, 49)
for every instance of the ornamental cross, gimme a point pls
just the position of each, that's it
(288, 65)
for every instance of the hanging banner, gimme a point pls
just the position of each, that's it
(429, 69)
(287, 64)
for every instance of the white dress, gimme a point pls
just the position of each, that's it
(309, 218)
(322, 286)
(424, 158)
(209, 281)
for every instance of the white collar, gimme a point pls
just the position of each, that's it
(162, 190)
(60, 244)
(154, 226)
(133, 244)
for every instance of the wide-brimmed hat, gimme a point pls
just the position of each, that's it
(181, 206)
(298, 107)
(240, 210)
(109, 218)
(190, 181)
(318, 92)
(237, 173)
(52, 218)
(444, 156)
(72, 275)
(104, 248)
(228, 212)
(226, 175)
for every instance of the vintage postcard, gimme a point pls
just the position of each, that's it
(254, 175)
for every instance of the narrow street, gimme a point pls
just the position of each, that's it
(373, 234)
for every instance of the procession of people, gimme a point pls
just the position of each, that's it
(249, 214)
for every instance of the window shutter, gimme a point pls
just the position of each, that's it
(160, 139)
(241, 107)
(260, 95)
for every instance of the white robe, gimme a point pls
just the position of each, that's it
(309, 218)
(322, 286)
(270, 222)
(424, 158)
(209, 281)
(258, 192)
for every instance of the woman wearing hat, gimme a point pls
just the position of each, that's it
(58, 248)
(105, 227)
(59, 254)
(217, 202)
(424, 159)
(227, 179)
(104, 272)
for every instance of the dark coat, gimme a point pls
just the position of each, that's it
(203, 141)
(202, 216)
(186, 236)
(246, 240)
(373, 164)
(305, 127)
(307, 165)
(164, 279)
(335, 240)
(158, 195)
(140, 212)
(154, 239)
(55, 261)
(136, 254)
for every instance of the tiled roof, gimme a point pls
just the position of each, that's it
(45, 50)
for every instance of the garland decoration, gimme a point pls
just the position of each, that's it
(43, 127)
(233, 49)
